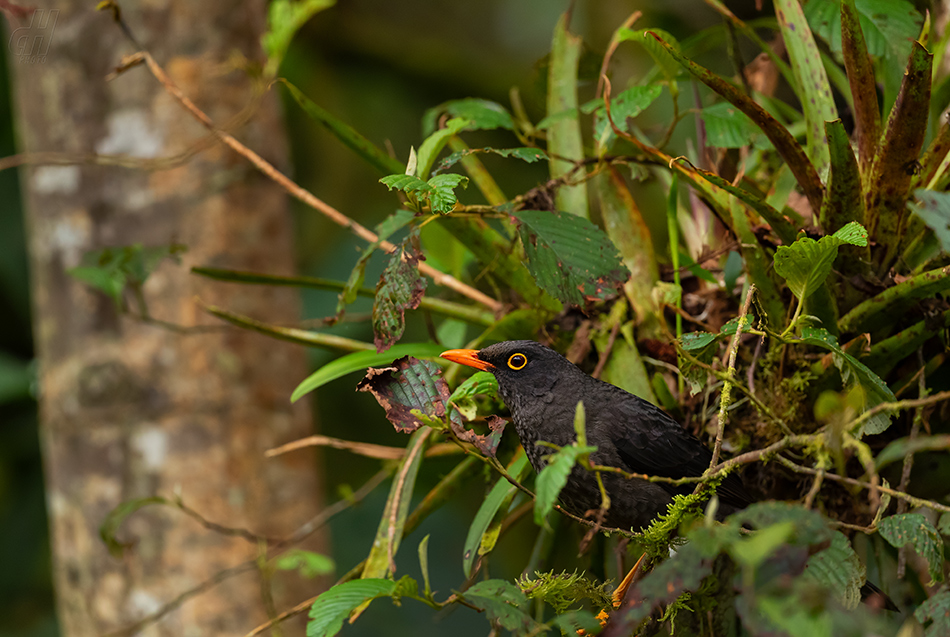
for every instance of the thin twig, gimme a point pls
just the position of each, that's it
(909, 458)
(815, 487)
(917, 502)
(440, 278)
(729, 381)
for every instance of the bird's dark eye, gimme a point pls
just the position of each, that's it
(517, 361)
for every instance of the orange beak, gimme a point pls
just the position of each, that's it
(467, 357)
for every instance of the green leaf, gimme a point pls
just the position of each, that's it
(498, 499)
(753, 550)
(350, 137)
(814, 91)
(442, 194)
(503, 603)
(576, 621)
(356, 361)
(626, 104)
(483, 114)
(526, 154)
(661, 55)
(935, 610)
(916, 530)
(839, 570)
(307, 563)
(807, 263)
(435, 142)
(728, 127)
(284, 19)
(934, 209)
(697, 340)
(424, 564)
(117, 516)
(439, 191)
(889, 26)
(381, 560)
(569, 257)
(332, 607)
(111, 270)
(875, 390)
(400, 288)
(897, 449)
(475, 385)
(405, 386)
(553, 478)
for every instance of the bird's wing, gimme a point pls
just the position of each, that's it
(650, 442)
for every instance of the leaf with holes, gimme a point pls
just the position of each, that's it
(569, 257)
(504, 603)
(935, 610)
(916, 530)
(400, 288)
(406, 386)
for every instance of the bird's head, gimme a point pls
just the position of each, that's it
(523, 368)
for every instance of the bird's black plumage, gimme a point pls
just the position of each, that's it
(542, 388)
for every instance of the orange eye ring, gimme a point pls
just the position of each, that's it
(517, 361)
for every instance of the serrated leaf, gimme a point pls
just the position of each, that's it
(483, 114)
(400, 288)
(408, 384)
(361, 360)
(405, 183)
(526, 154)
(916, 530)
(937, 611)
(569, 257)
(853, 233)
(553, 477)
(332, 607)
(503, 603)
(307, 563)
(728, 127)
(442, 191)
(839, 570)
(626, 104)
(934, 209)
(875, 390)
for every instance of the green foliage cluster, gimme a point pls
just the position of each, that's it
(835, 242)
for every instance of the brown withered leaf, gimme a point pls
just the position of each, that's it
(400, 288)
(487, 443)
(406, 385)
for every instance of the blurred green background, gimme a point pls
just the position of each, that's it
(378, 66)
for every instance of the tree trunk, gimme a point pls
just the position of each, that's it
(131, 409)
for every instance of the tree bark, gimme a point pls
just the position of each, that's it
(130, 409)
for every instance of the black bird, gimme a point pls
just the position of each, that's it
(542, 388)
